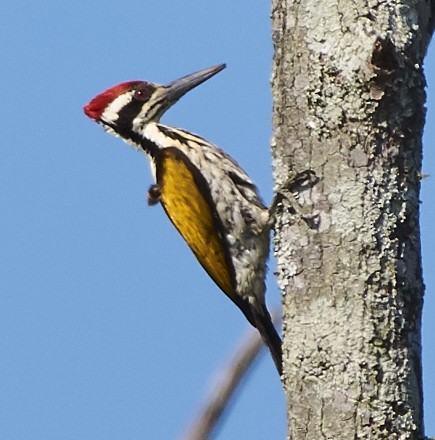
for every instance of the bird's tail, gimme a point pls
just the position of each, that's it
(263, 323)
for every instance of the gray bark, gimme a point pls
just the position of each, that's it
(348, 89)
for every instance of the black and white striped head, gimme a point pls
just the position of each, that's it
(131, 105)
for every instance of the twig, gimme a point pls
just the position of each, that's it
(229, 379)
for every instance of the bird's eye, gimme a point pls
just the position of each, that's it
(142, 94)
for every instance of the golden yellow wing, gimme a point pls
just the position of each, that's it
(187, 201)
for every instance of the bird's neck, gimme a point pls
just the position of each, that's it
(161, 136)
(152, 138)
(152, 134)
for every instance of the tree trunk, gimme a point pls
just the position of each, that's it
(348, 90)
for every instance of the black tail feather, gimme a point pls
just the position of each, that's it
(263, 323)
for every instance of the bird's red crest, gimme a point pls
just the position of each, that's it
(96, 106)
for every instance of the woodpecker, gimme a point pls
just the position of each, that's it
(208, 197)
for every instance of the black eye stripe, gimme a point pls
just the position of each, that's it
(128, 113)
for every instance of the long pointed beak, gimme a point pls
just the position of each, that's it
(172, 92)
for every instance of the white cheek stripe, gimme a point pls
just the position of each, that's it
(112, 110)
(154, 134)
(151, 132)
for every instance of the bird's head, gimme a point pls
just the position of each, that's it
(133, 104)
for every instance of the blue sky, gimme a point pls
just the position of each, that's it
(109, 328)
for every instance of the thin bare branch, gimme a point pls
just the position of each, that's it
(228, 380)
